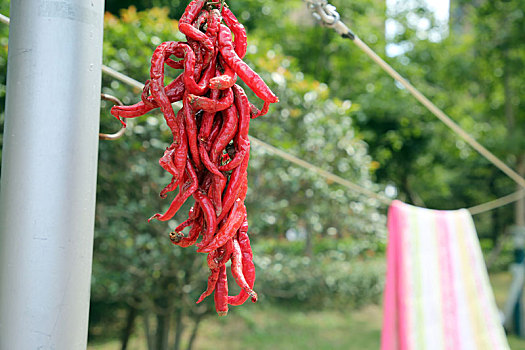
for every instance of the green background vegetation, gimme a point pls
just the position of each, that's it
(338, 111)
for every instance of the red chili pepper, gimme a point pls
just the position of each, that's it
(206, 183)
(201, 19)
(166, 162)
(209, 213)
(189, 66)
(212, 281)
(208, 163)
(243, 148)
(219, 183)
(237, 178)
(241, 138)
(156, 84)
(221, 293)
(185, 192)
(194, 212)
(243, 107)
(227, 133)
(252, 79)
(214, 21)
(178, 238)
(145, 96)
(174, 64)
(208, 74)
(214, 259)
(212, 105)
(218, 180)
(207, 120)
(185, 224)
(181, 152)
(244, 189)
(224, 81)
(255, 113)
(248, 268)
(185, 26)
(227, 231)
(238, 273)
(220, 256)
(216, 129)
(174, 91)
(191, 132)
(192, 67)
(174, 159)
(241, 41)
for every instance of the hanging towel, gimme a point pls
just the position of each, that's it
(437, 294)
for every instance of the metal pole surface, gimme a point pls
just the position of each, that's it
(48, 180)
(519, 260)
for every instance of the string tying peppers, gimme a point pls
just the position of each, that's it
(208, 158)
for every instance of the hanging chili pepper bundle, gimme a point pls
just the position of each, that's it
(208, 158)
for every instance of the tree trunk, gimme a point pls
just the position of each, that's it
(150, 339)
(163, 330)
(511, 125)
(415, 198)
(306, 228)
(179, 327)
(308, 246)
(128, 329)
(194, 331)
(507, 90)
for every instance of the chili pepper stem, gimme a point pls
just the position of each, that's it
(222, 2)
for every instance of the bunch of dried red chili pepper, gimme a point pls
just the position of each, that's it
(208, 158)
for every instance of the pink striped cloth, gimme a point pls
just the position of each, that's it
(437, 294)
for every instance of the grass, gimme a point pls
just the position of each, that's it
(271, 327)
(265, 327)
(280, 328)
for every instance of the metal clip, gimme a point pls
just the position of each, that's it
(118, 134)
(328, 16)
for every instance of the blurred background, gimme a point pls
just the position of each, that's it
(319, 249)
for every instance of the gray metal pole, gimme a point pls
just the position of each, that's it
(48, 180)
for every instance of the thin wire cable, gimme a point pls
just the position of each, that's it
(4, 19)
(122, 77)
(321, 172)
(497, 203)
(482, 208)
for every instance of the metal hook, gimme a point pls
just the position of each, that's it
(118, 134)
